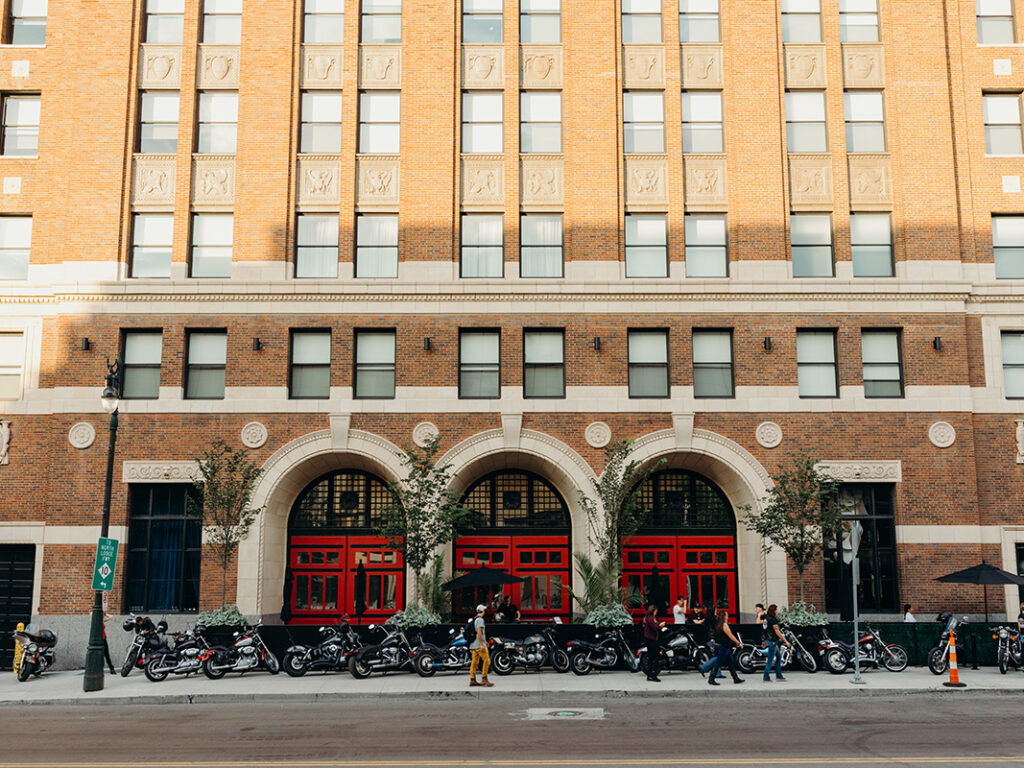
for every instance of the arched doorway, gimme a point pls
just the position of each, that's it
(521, 524)
(337, 566)
(687, 545)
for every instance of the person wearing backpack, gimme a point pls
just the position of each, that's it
(476, 627)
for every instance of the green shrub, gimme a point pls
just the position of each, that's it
(800, 614)
(608, 615)
(413, 617)
(228, 616)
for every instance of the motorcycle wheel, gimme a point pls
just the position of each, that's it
(1004, 662)
(579, 665)
(24, 670)
(294, 666)
(936, 662)
(129, 663)
(271, 663)
(744, 661)
(807, 662)
(895, 658)
(701, 657)
(836, 661)
(153, 670)
(424, 664)
(210, 672)
(560, 660)
(359, 667)
(502, 664)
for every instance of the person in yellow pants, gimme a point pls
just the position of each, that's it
(479, 648)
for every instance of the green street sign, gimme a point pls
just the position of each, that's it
(106, 559)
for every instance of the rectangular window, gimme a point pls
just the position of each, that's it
(152, 238)
(164, 549)
(479, 364)
(995, 22)
(540, 245)
(212, 236)
(323, 21)
(12, 362)
(646, 246)
(21, 126)
(15, 247)
(222, 22)
(871, 507)
(316, 246)
(482, 123)
(647, 354)
(158, 122)
(540, 116)
(481, 21)
(320, 131)
(206, 362)
(805, 121)
(26, 22)
(643, 115)
(377, 246)
(310, 375)
(816, 367)
(1008, 246)
(381, 21)
(698, 21)
(540, 21)
(482, 246)
(811, 238)
(375, 364)
(218, 123)
(165, 21)
(706, 253)
(702, 121)
(858, 21)
(865, 121)
(1002, 124)
(142, 355)
(871, 243)
(883, 368)
(380, 115)
(641, 21)
(712, 364)
(801, 21)
(1013, 364)
(544, 364)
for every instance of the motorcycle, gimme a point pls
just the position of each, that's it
(336, 646)
(873, 651)
(148, 639)
(187, 657)
(603, 652)
(1009, 649)
(681, 651)
(531, 653)
(429, 658)
(37, 652)
(391, 654)
(750, 657)
(938, 657)
(249, 652)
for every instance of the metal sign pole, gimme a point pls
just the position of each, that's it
(854, 546)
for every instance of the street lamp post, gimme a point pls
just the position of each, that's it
(94, 654)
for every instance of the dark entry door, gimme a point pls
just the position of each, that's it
(17, 567)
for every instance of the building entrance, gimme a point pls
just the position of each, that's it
(17, 573)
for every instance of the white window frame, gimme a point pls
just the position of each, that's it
(482, 130)
(637, 361)
(533, 132)
(217, 130)
(145, 243)
(193, 366)
(702, 118)
(858, 15)
(637, 11)
(27, 129)
(709, 357)
(222, 12)
(699, 13)
(803, 247)
(311, 364)
(1001, 124)
(802, 12)
(805, 388)
(539, 10)
(863, 245)
(384, 254)
(131, 363)
(865, 113)
(531, 244)
(330, 13)
(988, 13)
(219, 245)
(806, 108)
(373, 11)
(706, 237)
(489, 366)
(320, 122)
(873, 365)
(640, 264)
(159, 12)
(366, 360)
(380, 123)
(316, 235)
(646, 135)
(155, 112)
(14, 344)
(1008, 246)
(531, 361)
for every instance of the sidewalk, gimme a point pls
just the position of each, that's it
(66, 687)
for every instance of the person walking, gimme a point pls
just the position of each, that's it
(479, 648)
(652, 645)
(707, 619)
(772, 637)
(679, 610)
(725, 641)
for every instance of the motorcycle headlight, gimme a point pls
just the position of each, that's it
(1003, 633)
(32, 648)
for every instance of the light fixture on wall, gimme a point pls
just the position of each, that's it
(597, 343)
(937, 343)
(86, 344)
(257, 345)
(426, 343)
(767, 343)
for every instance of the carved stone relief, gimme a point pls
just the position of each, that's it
(542, 183)
(540, 66)
(810, 182)
(160, 67)
(483, 66)
(483, 184)
(863, 65)
(942, 434)
(213, 182)
(153, 182)
(159, 471)
(318, 183)
(82, 435)
(862, 471)
(870, 182)
(218, 66)
(768, 434)
(378, 184)
(424, 432)
(701, 66)
(705, 182)
(380, 66)
(646, 183)
(597, 434)
(5, 441)
(644, 66)
(805, 66)
(321, 66)
(254, 435)
(1018, 434)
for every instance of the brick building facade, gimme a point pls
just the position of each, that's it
(729, 231)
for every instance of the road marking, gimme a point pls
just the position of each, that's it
(585, 713)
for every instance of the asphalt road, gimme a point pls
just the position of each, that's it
(559, 731)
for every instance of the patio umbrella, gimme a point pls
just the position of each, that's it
(982, 575)
(360, 589)
(482, 577)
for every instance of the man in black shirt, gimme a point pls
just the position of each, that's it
(507, 612)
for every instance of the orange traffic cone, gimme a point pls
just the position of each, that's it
(954, 675)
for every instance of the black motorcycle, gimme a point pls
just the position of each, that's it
(337, 645)
(187, 657)
(148, 639)
(750, 657)
(938, 656)
(531, 653)
(873, 651)
(604, 652)
(36, 652)
(1009, 648)
(391, 654)
(679, 651)
(248, 653)
(429, 658)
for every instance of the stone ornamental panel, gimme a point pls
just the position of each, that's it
(870, 182)
(321, 66)
(701, 66)
(82, 435)
(542, 184)
(483, 66)
(424, 432)
(377, 184)
(153, 182)
(863, 65)
(706, 188)
(643, 66)
(483, 184)
(159, 471)
(646, 183)
(218, 66)
(540, 66)
(318, 183)
(213, 182)
(768, 434)
(805, 66)
(810, 182)
(254, 435)
(942, 434)
(160, 67)
(862, 471)
(380, 66)
(598, 434)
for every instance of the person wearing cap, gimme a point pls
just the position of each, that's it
(479, 649)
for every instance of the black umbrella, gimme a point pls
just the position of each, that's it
(360, 589)
(482, 577)
(982, 575)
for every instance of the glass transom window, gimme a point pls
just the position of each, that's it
(1008, 246)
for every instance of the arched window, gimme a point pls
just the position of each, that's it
(679, 500)
(514, 499)
(341, 502)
